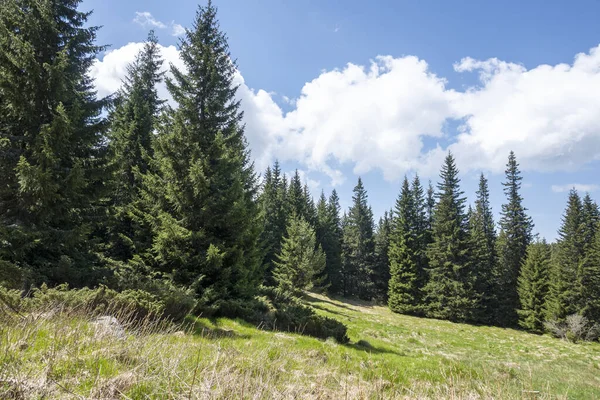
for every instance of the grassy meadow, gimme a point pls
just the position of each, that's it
(62, 354)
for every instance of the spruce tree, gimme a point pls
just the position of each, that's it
(334, 251)
(404, 291)
(208, 225)
(449, 292)
(311, 209)
(590, 215)
(422, 232)
(51, 140)
(589, 280)
(130, 154)
(359, 246)
(565, 289)
(533, 285)
(515, 235)
(274, 215)
(484, 256)
(297, 200)
(430, 206)
(381, 267)
(301, 262)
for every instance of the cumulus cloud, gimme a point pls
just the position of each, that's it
(110, 71)
(177, 30)
(580, 187)
(549, 115)
(379, 116)
(146, 20)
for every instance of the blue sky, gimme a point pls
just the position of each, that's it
(480, 78)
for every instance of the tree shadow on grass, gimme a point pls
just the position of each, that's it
(311, 299)
(318, 307)
(365, 346)
(199, 328)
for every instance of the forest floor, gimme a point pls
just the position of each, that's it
(65, 355)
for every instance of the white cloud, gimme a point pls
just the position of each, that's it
(378, 116)
(549, 115)
(176, 29)
(580, 187)
(110, 71)
(145, 19)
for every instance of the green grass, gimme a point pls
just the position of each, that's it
(60, 355)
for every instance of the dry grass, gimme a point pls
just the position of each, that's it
(62, 354)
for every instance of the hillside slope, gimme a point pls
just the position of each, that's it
(55, 355)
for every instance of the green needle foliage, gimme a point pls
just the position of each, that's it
(301, 260)
(533, 286)
(515, 235)
(51, 133)
(207, 229)
(449, 293)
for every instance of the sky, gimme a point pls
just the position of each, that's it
(342, 89)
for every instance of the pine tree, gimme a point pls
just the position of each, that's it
(274, 215)
(515, 235)
(208, 225)
(590, 281)
(404, 290)
(484, 256)
(130, 153)
(359, 246)
(51, 133)
(334, 251)
(449, 291)
(565, 289)
(381, 269)
(301, 260)
(533, 286)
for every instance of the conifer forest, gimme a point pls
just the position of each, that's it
(159, 205)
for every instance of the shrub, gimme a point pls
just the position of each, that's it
(574, 329)
(275, 310)
(134, 303)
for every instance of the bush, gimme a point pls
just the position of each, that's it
(574, 329)
(134, 303)
(275, 310)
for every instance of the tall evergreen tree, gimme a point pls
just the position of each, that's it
(208, 221)
(334, 252)
(51, 135)
(381, 267)
(297, 200)
(274, 216)
(430, 206)
(589, 280)
(533, 286)
(311, 209)
(590, 215)
(130, 153)
(449, 292)
(565, 289)
(515, 235)
(483, 236)
(404, 291)
(359, 246)
(422, 232)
